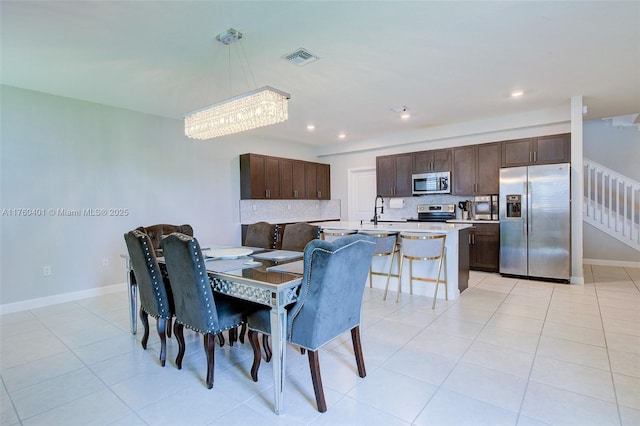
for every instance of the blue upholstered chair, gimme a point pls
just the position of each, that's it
(196, 307)
(329, 303)
(155, 294)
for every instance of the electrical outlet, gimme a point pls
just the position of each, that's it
(46, 270)
(105, 261)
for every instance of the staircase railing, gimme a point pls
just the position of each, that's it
(612, 203)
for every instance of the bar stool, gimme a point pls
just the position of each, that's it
(386, 245)
(334, 234)
(424, 247)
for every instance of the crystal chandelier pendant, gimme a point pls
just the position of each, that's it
(258, 108)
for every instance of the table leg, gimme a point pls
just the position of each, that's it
(279, 341)
(133, 300)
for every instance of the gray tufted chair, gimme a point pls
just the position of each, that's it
(297, 235)
(261, 234)
(196, 307)
(155, 294)
(329, 303)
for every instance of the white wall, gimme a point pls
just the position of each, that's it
(59, 153)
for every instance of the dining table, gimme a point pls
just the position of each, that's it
(267, 277)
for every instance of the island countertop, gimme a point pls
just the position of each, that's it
(457, 260)
(439, 227)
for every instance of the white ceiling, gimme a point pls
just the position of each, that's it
(448, 62)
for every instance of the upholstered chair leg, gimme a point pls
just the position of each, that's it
(314, 366)
(144, 318)
(233, 336)
(267, 347)
(169, 323)
(257, 355)
(220, 339)
(178, 331)
(243, 332)
(210, 345)
(357, 349)
(161, 326)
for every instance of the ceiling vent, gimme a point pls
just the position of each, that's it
(300, 57)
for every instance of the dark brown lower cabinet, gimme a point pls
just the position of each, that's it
(484, 247)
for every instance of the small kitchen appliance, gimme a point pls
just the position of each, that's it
(431, 183)
(485, 207)
(467, 208)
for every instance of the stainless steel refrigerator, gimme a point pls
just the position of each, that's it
(535, 221)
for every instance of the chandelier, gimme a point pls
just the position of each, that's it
(257, 108)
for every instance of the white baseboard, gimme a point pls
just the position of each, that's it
(604, 262)
(60, 298)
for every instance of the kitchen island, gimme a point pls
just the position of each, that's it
(457, 249)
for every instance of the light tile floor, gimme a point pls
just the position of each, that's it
(508, 351)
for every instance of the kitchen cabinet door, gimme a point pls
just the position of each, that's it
(252, 177)
(286, 178)
(476, 169)
(323, 180)
(484, 247)
(540, 150)
(517, 152)
(488, 160)
(552, 149)
(393, 175)
(272, 177)
(299, 187)
(438, 160)
(310, 178)
(463, 173)
(404, 170)
(385, 175)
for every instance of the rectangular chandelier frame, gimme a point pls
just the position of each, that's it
(250, 110)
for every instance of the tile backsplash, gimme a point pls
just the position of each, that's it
(288, 211)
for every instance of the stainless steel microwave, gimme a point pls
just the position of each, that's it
(431, 183)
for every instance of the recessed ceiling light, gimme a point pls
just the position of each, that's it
(405, 115)
(517, 93)
(342, 135)
(310, 127)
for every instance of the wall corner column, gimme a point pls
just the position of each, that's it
(577, 190)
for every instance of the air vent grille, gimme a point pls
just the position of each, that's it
(300, 57)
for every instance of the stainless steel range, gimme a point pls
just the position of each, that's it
(435, 212)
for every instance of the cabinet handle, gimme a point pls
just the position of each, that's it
(469, 239)
(530, 157)
(295, 194)
(535, 157)
(267, 194)
(319, 194)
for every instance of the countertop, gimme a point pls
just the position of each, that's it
(396, 226)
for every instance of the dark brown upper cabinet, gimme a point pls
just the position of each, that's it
(266, 177)
(540, 150)
(476, 169)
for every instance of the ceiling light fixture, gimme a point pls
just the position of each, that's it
(257, 108)
(517, 93)
(311, 127)
(403, 111)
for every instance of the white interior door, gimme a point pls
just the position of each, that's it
(362, 194)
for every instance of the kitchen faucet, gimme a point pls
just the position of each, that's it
(375, 209)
